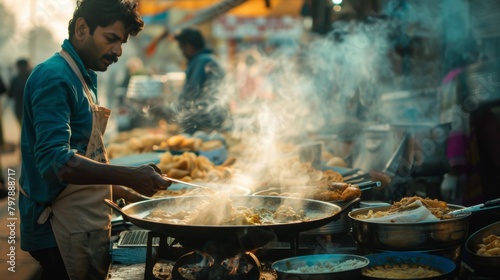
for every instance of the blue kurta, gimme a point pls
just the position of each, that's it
(57, 123)
(201, 69)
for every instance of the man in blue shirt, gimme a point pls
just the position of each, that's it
(65, 176)
(199, 105)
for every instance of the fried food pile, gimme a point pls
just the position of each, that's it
(337, 192)
(301, 179)
(139, 141)
(437, 207)
(135, 142)
(292, 172)
(411, 208)
(490, 246)
(189, 167)
(185, 143)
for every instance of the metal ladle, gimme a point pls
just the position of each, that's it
(490, 204)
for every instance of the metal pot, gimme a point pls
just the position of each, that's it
(409, 236)
(491, 262)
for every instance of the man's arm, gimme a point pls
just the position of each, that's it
(143, 179)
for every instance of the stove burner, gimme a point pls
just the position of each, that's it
(215, 260)
(200, 265)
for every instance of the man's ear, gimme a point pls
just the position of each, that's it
(81, 28)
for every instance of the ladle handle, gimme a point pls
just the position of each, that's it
(492, 203)
(368, 185)
(115, 207)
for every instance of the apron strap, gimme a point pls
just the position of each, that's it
(46, 213)
(23, 192)
(75, 69)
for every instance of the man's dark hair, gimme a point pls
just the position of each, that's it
(192, 37)
(106, 12)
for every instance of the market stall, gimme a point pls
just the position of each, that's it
(325, 121)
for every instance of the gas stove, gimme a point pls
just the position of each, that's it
(215, 261)
(179, 263)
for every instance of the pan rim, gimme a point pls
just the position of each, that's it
(128, 208)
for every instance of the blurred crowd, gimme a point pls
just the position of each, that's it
(13, 100)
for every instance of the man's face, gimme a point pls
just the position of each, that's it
(187, 50)
(105, 46)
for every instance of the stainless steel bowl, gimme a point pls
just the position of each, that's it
(409, 236)
(347, 267)
(477, 238)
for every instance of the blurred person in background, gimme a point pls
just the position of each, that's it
(3, 90)
(17, 84)
(65, 176)
(3, 190)
(462, 184)
(198, 104)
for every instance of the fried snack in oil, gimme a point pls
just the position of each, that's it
(337, 192)
(490, 246)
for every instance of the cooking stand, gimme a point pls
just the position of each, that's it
(249, 264)
(183, 256)
(151, 258)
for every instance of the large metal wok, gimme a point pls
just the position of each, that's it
(319, 213)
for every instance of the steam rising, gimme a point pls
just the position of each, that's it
(300, 90)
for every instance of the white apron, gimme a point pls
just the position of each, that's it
(80, 220)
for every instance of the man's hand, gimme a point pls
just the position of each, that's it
(148, 180)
